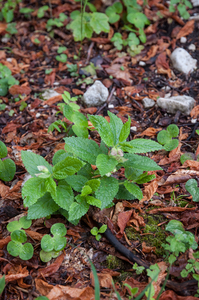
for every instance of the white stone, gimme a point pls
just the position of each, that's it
(49, 94)
(110, 106)
(38, 115)
(193, 121)
(9, 59)
(183, 39)
(182, 103)
(142, 63)
(96, 94)
(195, 2)
(192, 47)
(147, 102)
(195, 17)
(134, 128)
(182, 61)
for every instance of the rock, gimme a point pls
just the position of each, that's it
(172, 104)
(182, 61)
(147, 102)
(96, 94)
(192, 47)
(49, 94)
(195, 2)
(183, 39)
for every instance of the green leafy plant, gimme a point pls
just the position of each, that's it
(2, 284)
(6, 80)
(26, 11)
(138, 269)
(17, 225)
(41, 11)
(72, 69)
(51, 246)
(165, 137)
(192, 187)
(62, 57)
(132, 291)
(56, 124)
(113, 12)
(58, 22)
(175, 199)
(181, 5)
(7, 166)
(71, 185)
(96, 232)
(42, 298)
(7, 10)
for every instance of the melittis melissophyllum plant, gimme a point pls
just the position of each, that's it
(86, 173)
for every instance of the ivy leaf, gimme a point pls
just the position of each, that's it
(31, 161)
(104, 129)
(107, 190)
(133, 189)
(87, 150)
(66, 167)
(105, 163)
(99, 22)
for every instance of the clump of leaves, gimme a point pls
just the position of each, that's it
(96, 232)
(181, 6)
(71, 185)
(6, 80)
(16, 246)
(192, 187)
(62, 57)
(51, 246)
(165, 137)
(58, 22)
(132, 41)
(7, 10)
(7, 166)
(72, 69)
(41, 11)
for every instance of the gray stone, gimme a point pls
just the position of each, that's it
(49, 94)
(147, 102)
(182, 61)
(172, 104)
(96, 95)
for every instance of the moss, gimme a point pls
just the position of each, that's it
(113, 262)
(183, 203)
(156, 235)
(123, 276)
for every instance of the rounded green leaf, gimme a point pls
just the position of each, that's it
(192, 187)
(19, 236)
(59, 243)
(103, 228)
(3, 149)
(94, 231)
(12, 226)
(62, 57)
(26, 251)
(24, 222)
(14, 248)
(45, 256)
(58, 229)
(163, 137)
(7, 169)
(3, 89)
(171, 145)
(41, 298)
(47, 243)
(173, 130)
(186, 156)
(174, 225)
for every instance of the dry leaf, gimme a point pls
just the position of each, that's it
(186, 30)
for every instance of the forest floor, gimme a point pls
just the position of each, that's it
(25, 116)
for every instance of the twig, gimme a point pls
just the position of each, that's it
(107, 101)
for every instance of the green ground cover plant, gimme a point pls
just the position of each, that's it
(192, 187)
(165, 137)
(6, 80)
(96, 232)
(7, 166)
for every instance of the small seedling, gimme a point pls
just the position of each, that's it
(17, 225)
(48, 71)
(56, 124)
(138, 269)
(181, 5)
(6, 80)
(132, 291)
(113, 12)
(51, 246)
(192, 187)
(41, 11)
(96, 232)
(7, 166)
(165, 137)
(72, 69)
(2, 284)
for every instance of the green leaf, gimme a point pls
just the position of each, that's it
(59, 156)
(132, 173)
(81, 27)
(125, 130)
(65, 196)
(44, 207)
(186, 156)
(144, 178)
(47, 243)
(138, 19)
(58, 229)
(80, 131)
(59, 243)
(133, 189)
(76, 182)
(171, 145)
(18, 236)
(94, 184)
(31, 161)
(24, 222)
(86, 190)
(2, 284)
(26, 252)
(93, 201)
(66, 167)
(192, 187)
(107, 190)
(124, 194)
(77, 210)
(103, 127)
(14, 248)
(99, 22)
(116, 126)
(51, 187)
(173, 130)
(86, 149)
(140, 162)
(3, 150)
(33, 189)
(140, 146)
(94, 231)
(62, 58)
(105, 164)
(7, 169)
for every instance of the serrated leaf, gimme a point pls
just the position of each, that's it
(94, 184)
(99, 22)
(44, 207)
(3, 150)
(133, 189)
(116, 127)
(86, 190)
(77, 210)
(107, 190)
(103, 127)
(32, 190)
(123, 194)
(86, 149)
(65, 196)
(105, 163)
(140, 162)
(66, 167)
(132, 173)
(80, 131)
(7, 169)
(51, 187)
(76, 182)
(31, 161)
(144, 178)
(59, 156)
(93, 201)
(140, 146)
(125, 130)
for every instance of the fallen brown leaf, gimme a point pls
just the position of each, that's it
(186, 30)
